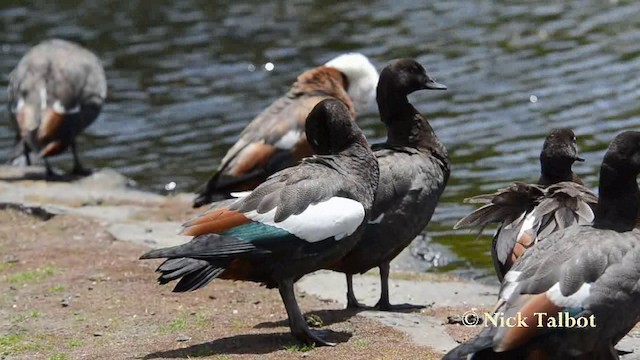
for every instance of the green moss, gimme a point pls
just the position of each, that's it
(58, 356)
(361, 343)
(299, 347)
(5, 266)
(14, 344)
(176, 325)
(56, 289)
(75, 343)
(32, 275)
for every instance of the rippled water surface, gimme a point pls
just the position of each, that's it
(181, 86)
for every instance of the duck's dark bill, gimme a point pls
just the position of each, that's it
(434, 85)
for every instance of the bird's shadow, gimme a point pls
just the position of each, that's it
(241, 344)
(328, 317)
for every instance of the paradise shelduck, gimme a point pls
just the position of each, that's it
(275, 139)
(55, 92)
(528, 213)
(414, 169)
(576, 293)
(298, 221)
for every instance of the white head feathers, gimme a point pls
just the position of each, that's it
(362, 76)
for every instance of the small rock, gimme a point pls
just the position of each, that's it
(64, 302)
(257, 302)
(90, 288)
(235, 311)
(10, 259)
(13, 287)
(212, 297)
(96, 334)
(183, 338)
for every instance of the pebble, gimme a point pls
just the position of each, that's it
(97, 334)
(183, 338)
(64, 302)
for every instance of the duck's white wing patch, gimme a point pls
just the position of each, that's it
(337, 217)
(18, 106)
(60, 109)
(240, 194)
(43, 98)
(509, 284)
(377, 220)
(530, 224)
(289, 140)
(577, 299)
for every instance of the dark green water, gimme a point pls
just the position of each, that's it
(180, 88)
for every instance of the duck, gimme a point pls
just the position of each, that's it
(586, 274)
(298, 221)
(275, 139)
(55, 92)
(414, 170)
(528, 213)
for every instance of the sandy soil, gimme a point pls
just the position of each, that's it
(70, 291)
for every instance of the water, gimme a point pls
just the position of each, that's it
(181, 86)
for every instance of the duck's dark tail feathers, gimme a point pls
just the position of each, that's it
(199, 261)
(473, 348)
(193, 273)
(207, 192)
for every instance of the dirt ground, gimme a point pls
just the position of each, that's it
(70, 291)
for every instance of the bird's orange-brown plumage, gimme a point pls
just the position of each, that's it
(214, 222)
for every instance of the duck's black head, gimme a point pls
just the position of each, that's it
(618, 191)
(405, 76)
(559, 152)
(623, 154)
(330, 128)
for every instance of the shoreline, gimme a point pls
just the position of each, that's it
(142, 219)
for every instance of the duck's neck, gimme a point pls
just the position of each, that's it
(555, 171)
(405, 126)
(618, 200)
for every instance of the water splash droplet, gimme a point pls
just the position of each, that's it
(269, 66)
(533, 99)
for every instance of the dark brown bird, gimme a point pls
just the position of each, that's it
(528, 213)
(414, 170)
(275, 139)
(56, 91)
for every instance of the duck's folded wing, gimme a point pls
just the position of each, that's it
(271, 142)
(503, 206)
(574, 271)
(564, 204)
(305, 202)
